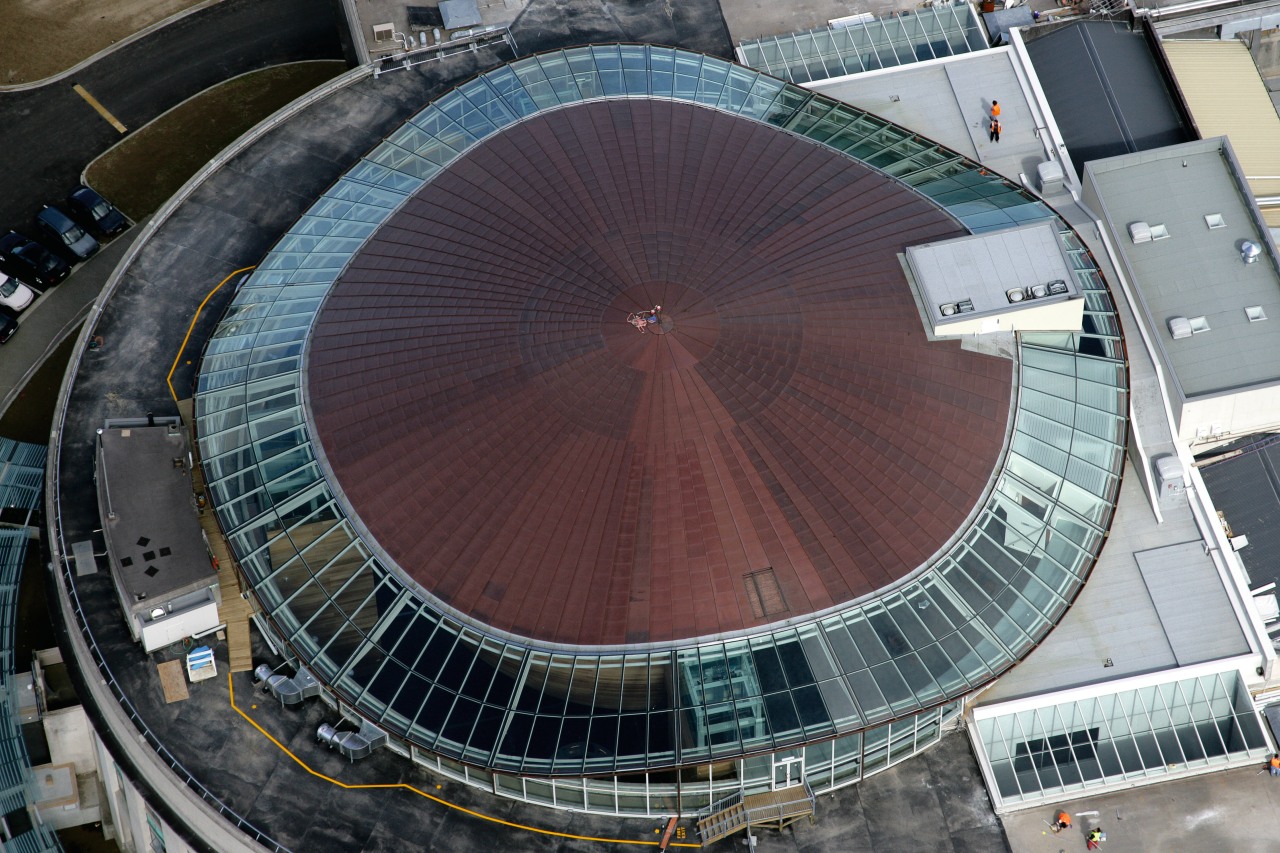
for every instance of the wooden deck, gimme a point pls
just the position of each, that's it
(234, 610)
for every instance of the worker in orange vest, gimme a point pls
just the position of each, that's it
(1060, 822)
(995, 109)
(1275, 764)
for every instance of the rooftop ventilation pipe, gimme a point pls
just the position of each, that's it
(1179, 328)
(1249, 251)
(352, 744)
(290, 691)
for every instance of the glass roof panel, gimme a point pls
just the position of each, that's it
(952, 627)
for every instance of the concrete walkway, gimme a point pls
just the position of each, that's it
(1214, 813)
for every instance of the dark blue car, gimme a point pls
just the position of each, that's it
(65, 234)
(28, 261)
(94, 211)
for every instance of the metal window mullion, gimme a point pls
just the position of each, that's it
(1151, 727)
(1104, 722)
(1048, 738)
(889, 40)
(1180, 696)
(1212, 717)
(1022, 736)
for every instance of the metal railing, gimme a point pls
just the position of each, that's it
(148, 736)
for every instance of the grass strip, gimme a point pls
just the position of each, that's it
(153, 162)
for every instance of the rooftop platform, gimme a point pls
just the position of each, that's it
(148, 511)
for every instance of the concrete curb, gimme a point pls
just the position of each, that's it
(106, 51)
(243, 141)
(122, 140)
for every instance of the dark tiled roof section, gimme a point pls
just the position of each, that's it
(1246, 490)
(533, 460)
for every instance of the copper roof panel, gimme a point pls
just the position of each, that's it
(535, 461)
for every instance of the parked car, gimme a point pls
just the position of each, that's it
(14, 294)
(24, 258)
(63, 232)
(8, 324)
(95, 212)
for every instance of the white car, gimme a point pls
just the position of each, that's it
(14, 295)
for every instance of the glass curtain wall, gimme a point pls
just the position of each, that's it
(389, 651)
(1174, 726)
(945, 29)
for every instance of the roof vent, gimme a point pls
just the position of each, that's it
(1179, 327)
(1159, 232)
(1039, 291)
(950, 309)
(1249, 251)
(1140, 232)
(1198, 325)
(1057, 287)
(1214, 220)
(1255, 313)
(1015, 295)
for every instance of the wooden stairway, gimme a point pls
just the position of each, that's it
(774, 809)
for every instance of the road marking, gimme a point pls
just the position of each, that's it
(102, 111)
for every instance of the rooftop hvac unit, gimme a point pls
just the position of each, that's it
(1179, 327)
(1140, 232)
(851, 20)
(352, 744)
(1170, 482)
(1015, 295)
(1057, 287)
(1039, 291)
(290, 691)
(1249, 251)
(1050, 175)
(950, 309)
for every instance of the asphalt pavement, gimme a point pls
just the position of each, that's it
(49, 134)
(56, 314)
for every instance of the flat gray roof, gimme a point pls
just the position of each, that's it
(1197, 271)
(153, 533)
(1139, 611)
(1188, 596)
(982, 268)
(949, 101)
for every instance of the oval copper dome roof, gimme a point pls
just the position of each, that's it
(781, 439)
